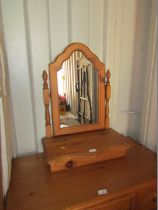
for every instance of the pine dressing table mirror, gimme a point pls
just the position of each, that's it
(79, 94)
(92, 167)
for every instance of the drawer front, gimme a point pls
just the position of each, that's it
(125, 203)
(75, 160)
(146, 200)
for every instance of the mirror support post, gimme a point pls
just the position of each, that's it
(107, 98)
(46, 99)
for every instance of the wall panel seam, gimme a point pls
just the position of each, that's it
(150, 85)
(49, 31)
(30, 70)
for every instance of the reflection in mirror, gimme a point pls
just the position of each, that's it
(78, 91)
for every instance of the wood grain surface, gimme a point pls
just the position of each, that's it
(74, 150)
(33, 187)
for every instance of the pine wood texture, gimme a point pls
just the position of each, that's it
(46, 99)
(130, 182)
(107, 98)
(65, 152)
(123, 203)
(54, 67)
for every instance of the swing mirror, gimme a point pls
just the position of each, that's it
(78, 91)
(77, 87)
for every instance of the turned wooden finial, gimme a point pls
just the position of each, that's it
(107, 98)
(45, 77)
(108, 74)
(46, 99)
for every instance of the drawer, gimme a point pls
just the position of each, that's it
(124, 203)
(74, 152)
(146, 200)
(79, 159)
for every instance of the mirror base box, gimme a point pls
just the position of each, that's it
(69, 151)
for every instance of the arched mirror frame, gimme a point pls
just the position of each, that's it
(57, 65)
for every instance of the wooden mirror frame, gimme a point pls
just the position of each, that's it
(103, 93)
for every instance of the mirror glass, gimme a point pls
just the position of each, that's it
(77, 91)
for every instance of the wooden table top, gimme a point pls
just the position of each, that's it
(33, 187)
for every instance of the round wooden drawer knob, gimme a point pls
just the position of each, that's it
(69, 164)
